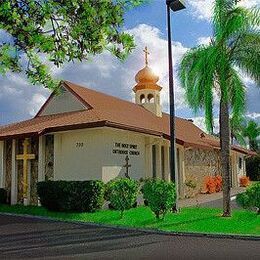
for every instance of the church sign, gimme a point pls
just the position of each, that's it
(126, 149)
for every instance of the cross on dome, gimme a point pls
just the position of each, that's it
(146, 55)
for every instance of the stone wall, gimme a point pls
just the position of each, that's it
(200, 163)
(8, 168)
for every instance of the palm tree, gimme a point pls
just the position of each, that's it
(213, 69)
(236, 131)
(252, 132)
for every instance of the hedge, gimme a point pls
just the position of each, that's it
(71, 196)
(253, 168)
(3, 196)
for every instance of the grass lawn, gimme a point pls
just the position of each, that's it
(204, 220)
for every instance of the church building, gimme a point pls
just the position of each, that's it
(82, 134)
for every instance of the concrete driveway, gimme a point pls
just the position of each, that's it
(30, 238)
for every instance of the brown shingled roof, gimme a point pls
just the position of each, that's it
(105, 110)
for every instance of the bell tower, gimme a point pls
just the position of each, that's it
(147, 91)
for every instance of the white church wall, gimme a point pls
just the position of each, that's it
(98, 154)
(78, 155)
(64, 102)
(117, 145)
(1, 164)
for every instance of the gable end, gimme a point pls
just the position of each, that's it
(66, 101)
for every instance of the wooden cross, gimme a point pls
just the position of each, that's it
(25, 157)
(146, 55)
(127, 166)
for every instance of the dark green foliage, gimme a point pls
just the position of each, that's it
(60, 32)
(3, 196)
(253, 168)
(160, 196)
(73, 196)
(122, 193)
(251, 198)
(252, 132)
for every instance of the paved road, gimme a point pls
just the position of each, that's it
(27, 238)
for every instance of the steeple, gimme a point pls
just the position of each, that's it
(147, 91)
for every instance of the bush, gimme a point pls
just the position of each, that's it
(72, 196)
(122, 193)
(251, 198)
(160, 196)
(244, 181)
(218, 183)
(3, 196)
(253, 168)
(210, 184)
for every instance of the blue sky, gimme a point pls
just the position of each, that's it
(19, 100)
(185, 27)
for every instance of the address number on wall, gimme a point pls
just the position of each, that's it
(79, 145)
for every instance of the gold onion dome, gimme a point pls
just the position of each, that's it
(145, 78)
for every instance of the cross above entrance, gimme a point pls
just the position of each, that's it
(146, 55)
(127, 166)
(25, 157)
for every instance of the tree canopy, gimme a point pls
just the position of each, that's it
(59, 31)
(252, 132)
(214, 71)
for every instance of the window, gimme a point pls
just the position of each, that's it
(240, 161)
(151, 98)
(142, 99)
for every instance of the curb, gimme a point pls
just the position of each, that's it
(143, 230)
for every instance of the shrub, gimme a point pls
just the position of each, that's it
(122, 193)
(244, 181)
(160, 196)
(210, 184)
(3, 196)
(253, 168)
(73, 196)
(218, 183)
(251, 198)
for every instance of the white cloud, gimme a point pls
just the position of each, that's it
(200, 122)
(19, 100)
(36, 103)
(254, 116)
(202, 9)
(204, 40)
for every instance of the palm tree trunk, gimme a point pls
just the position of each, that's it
(225, 155)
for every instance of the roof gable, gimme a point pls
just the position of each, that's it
(64, 102)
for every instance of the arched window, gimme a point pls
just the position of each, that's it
(142, 99)
(151, 98)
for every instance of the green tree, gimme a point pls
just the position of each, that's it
(59, 32)
(209, 69)
(252, 132)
